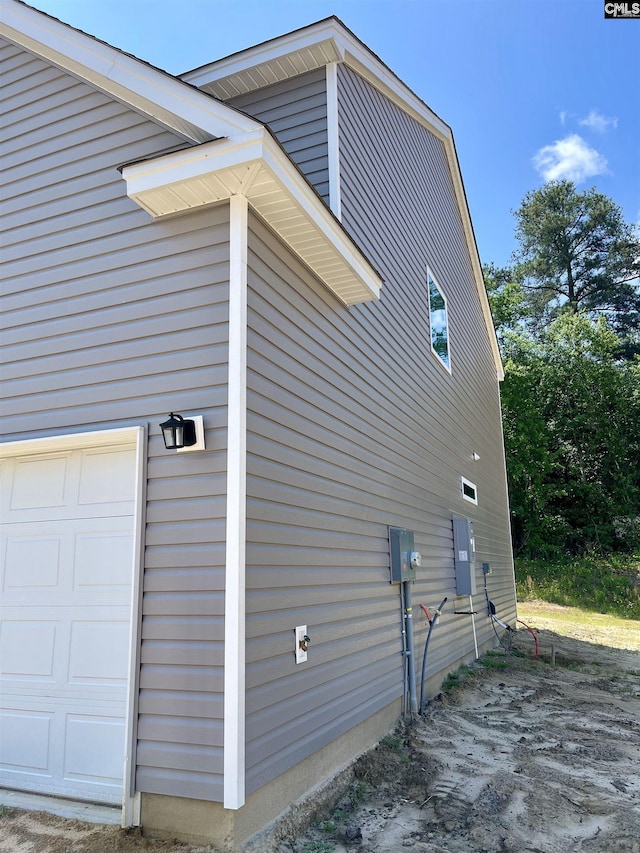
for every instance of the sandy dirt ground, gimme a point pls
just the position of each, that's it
(522, 755)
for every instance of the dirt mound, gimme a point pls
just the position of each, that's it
(522, 756)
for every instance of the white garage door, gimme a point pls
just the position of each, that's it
(67, 567)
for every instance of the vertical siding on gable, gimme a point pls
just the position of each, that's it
(110, 319)
(296, 112)
(354, 425)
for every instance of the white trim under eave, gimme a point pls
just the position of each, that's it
(264, 53)
(234, 597)
(217, 170)
(293, 182)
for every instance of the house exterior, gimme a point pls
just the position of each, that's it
(279, 244)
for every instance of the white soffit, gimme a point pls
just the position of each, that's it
(185, 110)
(230, 79)
(253, 165)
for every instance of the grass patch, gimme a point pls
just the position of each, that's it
(598, 584)
(494, 660)
(456, 679)
(393, 742)
(317, 847)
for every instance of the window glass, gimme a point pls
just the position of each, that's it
(438, 321)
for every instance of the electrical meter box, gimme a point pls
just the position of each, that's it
(464, 556)
(402, 555)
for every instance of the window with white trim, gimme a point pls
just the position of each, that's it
(469, 491)
(438, 322)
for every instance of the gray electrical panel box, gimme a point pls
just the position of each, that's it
(464, 556)
(401, 554)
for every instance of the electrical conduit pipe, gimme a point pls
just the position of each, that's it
(432, 623)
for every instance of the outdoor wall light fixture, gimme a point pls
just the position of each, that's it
(183, 433)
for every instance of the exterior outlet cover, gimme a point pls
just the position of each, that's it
(301, 654)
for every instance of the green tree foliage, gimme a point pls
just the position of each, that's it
(571, 416)
(508, 300)
(568, 323)
(577, 254)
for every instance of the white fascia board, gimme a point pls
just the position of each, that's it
(376, 73)
(191, 113)
(296, 186)
(474, 255)
(262, 54)
(180, 166)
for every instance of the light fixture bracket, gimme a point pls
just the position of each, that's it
(183, 434)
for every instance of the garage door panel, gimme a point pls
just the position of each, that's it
(98, 654)
(28, 651)
(26, 491)
(94, 750)
(106, 477)
(68, 648)
(96, 553)
(67, 548)
(32, 564)
(74, 484)
(103, 559)
(72, 754)
(24, 744)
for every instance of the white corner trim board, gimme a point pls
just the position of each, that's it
(333, 141)
(234, 616)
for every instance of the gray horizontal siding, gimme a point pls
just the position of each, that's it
(390, 165)
(296, 111)
(354, 425)
(111, 319)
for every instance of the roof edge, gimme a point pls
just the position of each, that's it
(193, 114)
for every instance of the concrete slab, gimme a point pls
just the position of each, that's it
(74, 809)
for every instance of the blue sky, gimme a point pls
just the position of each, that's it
(533, 89)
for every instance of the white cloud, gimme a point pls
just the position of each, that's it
(596, 121)
(569, 158)
(563, 117)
